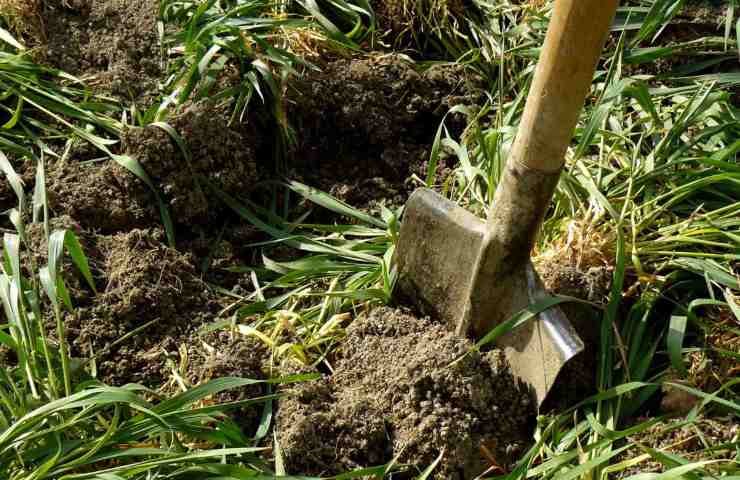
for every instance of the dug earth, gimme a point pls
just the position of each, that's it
(437, 397)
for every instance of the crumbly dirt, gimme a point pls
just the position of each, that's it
(227, 354)
(222, 155)
(106, 197)
(365, 125)
(139, 281)
(673, 436)
(396, 391)
(96, 195)
(113, 44)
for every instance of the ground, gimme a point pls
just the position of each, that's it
(435, 396)
(364, 128)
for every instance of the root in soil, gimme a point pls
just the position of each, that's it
(396, 391)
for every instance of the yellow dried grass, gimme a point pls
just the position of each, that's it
(24, 19)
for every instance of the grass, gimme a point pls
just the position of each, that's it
(56, 421)
(651, 192)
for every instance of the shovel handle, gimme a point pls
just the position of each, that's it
(575, 37)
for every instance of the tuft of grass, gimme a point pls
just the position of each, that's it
(300, 306)
(242, 52)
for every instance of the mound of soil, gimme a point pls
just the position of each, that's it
(142, 281)
(220, 154)
(113, 42)
(396, 391)
(97, 196)
(107, 198)
(364, 125)
(225, 354)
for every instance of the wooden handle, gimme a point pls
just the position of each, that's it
(575, 37)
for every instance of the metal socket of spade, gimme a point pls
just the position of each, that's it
(435, 274)
(474, 274)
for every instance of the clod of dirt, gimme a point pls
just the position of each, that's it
(364, 125)
(223, 155)
(396, 391)
(96, 196)
(142, 281)
(114, 41)
(225, 354)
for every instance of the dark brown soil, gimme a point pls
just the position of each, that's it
(222, 155)
(366, 125)
(226, 354)
(140, 281)
(113, 44)
(106, 197)
(396, 391)
(97, 196)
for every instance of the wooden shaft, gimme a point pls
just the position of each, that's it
(573, 44)
(563, 77)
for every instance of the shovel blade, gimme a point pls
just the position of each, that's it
(435, 259)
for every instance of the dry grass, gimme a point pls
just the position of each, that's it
(718, 363)
(24, 19)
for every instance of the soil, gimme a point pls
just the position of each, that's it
(95, 194)
(226, 354)
(371, 410)
(222, 155)
(365, 125)
(673, 436)
(153, 291)
(141, 281)
(112, 44)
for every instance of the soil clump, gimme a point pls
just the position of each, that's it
(146, 288)
(398, 390)
(113, 44)
(219, 154)
(106, 197)
(227, 354)
(97, 195)
(365, 125)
